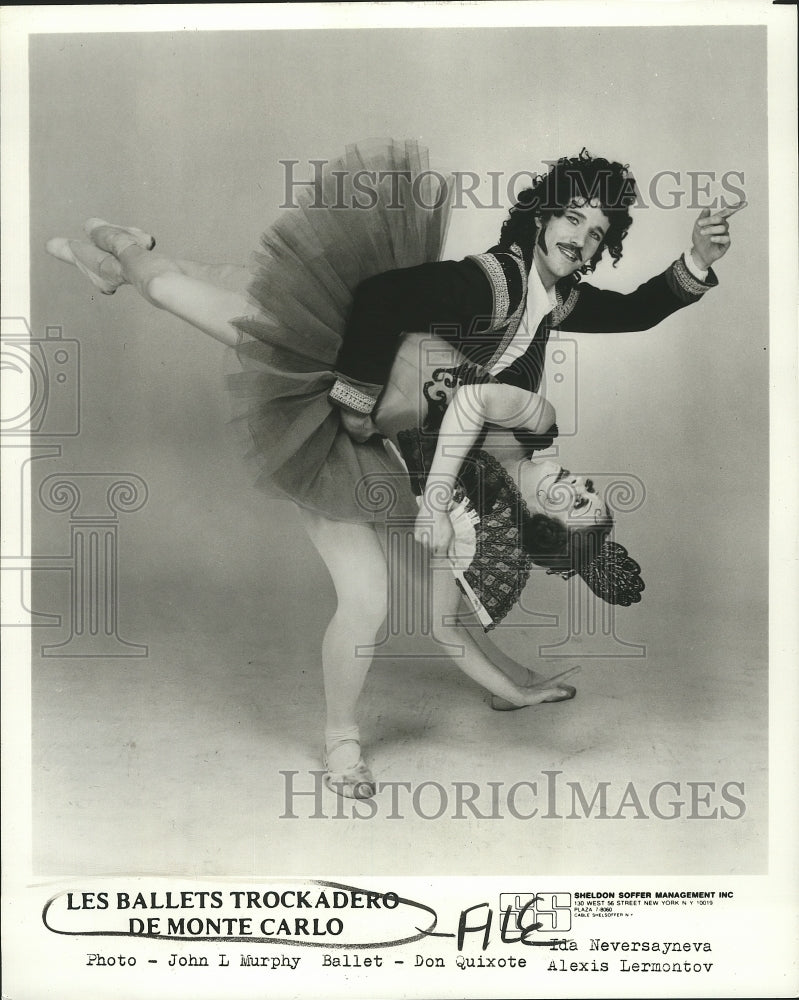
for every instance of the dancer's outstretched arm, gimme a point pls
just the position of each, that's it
(472, 407)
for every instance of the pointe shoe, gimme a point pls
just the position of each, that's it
(89, 260)
(502, 705)
(114, 239)
(354, 782)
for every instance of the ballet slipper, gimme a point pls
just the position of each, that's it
(116, 239)
(503, 705)
(89, 260)
(354, 782)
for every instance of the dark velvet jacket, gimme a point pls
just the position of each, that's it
(478, 303)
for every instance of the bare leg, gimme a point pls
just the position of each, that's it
(164, 284)
(231, 277)
(207, 296)
(355, 560)
(115, 239)
(473, 661)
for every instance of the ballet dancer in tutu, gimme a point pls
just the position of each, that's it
(329, 410)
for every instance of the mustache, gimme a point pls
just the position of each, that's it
(573, 249)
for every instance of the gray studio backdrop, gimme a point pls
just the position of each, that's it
(183, 134)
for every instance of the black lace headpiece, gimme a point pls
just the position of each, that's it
(611, 574)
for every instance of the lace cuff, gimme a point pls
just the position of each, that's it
(357, 397)
(700, 273)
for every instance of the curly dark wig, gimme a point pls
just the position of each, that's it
(575, 179)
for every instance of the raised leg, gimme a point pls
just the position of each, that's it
(231, 277)
(163, 284)
(116, 239)
(208, 296)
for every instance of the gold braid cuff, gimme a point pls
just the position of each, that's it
(350, 397)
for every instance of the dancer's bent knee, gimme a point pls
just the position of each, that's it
(366, 613)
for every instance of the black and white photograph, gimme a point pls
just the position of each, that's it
(399, 473)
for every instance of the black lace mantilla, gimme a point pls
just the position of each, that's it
(501, 568)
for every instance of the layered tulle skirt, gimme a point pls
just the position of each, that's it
(376, 208)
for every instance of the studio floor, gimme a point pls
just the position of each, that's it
(172, 763)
